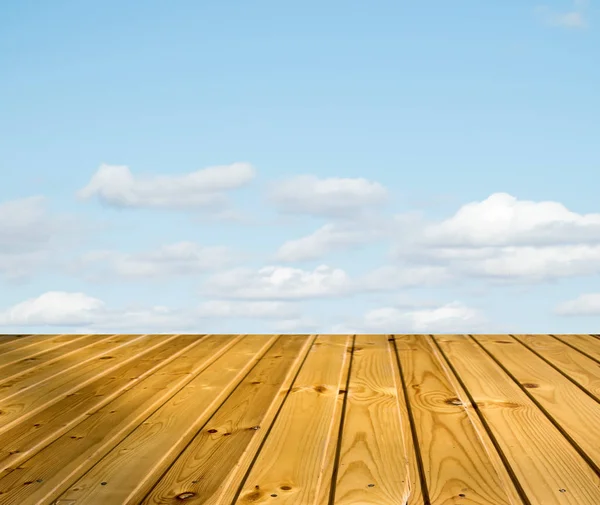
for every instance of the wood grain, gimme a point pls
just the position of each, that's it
(579, 368)
(373, 468)
(27, 395)
(586, 344)
(133, 466)
(572, 409)
(24, 439)
(290, 463)
(210, 469)
(547, 467)
(454, 452)
(43, 477)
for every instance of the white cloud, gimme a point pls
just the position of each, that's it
(116, 186)
(337, 197)
(453, 317)
(82, 313)
(182, 258)
(585, 305)
(329, 238)
(53, 308)
(572, 19)
(508, 240)
(502, 219)
(276, 282)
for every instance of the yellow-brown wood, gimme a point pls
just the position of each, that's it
(570, 362)
(454, 452)
(340, 419)
(23, 439)
(372, 466)
(290, 462)
(61, 463)
(210, 469)
(587, 344)
(134, 465)
(547, 467)
(563, 402)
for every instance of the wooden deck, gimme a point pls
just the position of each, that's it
(300, 419)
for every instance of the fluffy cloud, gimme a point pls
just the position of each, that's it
(276, 282)
(53, 308)
(503, 220)
(337, 197)
(509, 240)
(116, 186)
(182, 258)
(585, 305)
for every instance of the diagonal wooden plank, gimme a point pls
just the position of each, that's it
(457, 456)
(42, 478)
(32, 345)
(569, 407)
(586, 344)
(547, 467)
(574, 365)
(31, 365)
(24, 439)
(372, 467)
(24, 403)
(8, 338)
(131, 468)
(210, 469)
(35, 377)
(290, 463)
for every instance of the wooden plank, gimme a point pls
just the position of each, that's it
(42, 478)
(25, 340)
(586, 344)
(294, 452)
(65, 352)
(8, 338)
(373, 467)
(416, 495)
(131, 468)
(21, 404)
(210, 469)
(30, 346)
(572, 410)
(578, 367)
(36, 376)
(457, 456)
(548, 468)
(24, 439)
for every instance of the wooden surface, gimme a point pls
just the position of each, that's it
(300, 419)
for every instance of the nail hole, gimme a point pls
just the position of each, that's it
(103, 483)
(273, 496)
(371, 485)
(461, 495)
(212, 431)
(285, 488)
(563, 490)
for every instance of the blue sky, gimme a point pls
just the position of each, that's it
(299, 167)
